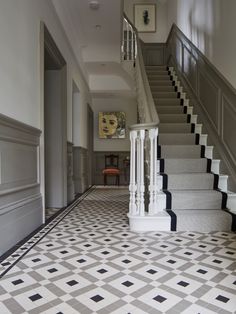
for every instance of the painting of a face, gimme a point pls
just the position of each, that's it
(111, 124)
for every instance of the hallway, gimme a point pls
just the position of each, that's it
(87, 261)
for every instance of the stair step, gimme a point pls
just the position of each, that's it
(154, 83)
(170, 109)
(189, 181)
(180, 151)
(156, 77)
(174, 118)
(156, 67)
(178, 139)
(166, 95)
(185, 165)
(175, 128)
(157, 72)
(204, 220)
(167, 102)
(195, 199)
(162, 89)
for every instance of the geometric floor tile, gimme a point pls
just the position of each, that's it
(127, 284)
(196, 309)
(128, 308)
(101, 271)
(201, 271)
(221, 299)
(152, 272)
(86, 260)
(183, 284)
(97, 299)
(160, 299)
(71, 283)
(33, 299)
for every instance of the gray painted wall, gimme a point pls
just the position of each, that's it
(20, 199)
(213, 97)
(154, 53)
(80, 165)
(70, 174)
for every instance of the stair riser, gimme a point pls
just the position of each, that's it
(186, 201)
(175, 128)
(168, 102)
(160, 83)
(158, 72)
(165, 89)
(159, 78)
(170, 109)
(178, 139)
(179, 151)
(203, 221)
(167, 95)
(156, 68)
(174, 118)
(201, 181)
(189, 166)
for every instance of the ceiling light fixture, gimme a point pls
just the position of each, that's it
(94, 5)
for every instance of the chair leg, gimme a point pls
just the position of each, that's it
(105, 179)
(118, 180)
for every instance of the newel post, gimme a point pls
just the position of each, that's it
(132, 185)
(153, 187)
(140, 173)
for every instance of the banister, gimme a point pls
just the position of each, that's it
(143, 185)
(144, 126)
(146, 101)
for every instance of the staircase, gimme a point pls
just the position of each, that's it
(191, 189)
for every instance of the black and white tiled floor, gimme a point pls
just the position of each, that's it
(87, 261)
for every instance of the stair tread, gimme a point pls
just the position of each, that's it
(193, 197)
(195, 191)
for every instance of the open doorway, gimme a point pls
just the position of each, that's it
(55, 127)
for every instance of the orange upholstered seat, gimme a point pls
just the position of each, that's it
(111, 171)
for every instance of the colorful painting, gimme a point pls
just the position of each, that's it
(112, 124)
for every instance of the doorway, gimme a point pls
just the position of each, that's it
(55, 127)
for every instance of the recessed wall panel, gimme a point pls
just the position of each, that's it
(228, 127)
(209, 96)
(190, 68)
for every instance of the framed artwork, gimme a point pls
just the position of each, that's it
(111, 124)
(145, 17)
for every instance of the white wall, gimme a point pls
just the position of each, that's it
(161, 19)
(20, 76)
(129, 106)
(210, 25)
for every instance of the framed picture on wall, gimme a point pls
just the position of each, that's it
(111, 124)
(145, 17)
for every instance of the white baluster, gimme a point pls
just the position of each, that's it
(132, 44)
(156, 188)
(151, 134)
(141, 173)
(132, 185)
(127, 41)
(138, 173)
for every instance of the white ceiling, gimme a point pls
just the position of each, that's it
(95, 35)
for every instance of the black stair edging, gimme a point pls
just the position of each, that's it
(173, 220)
